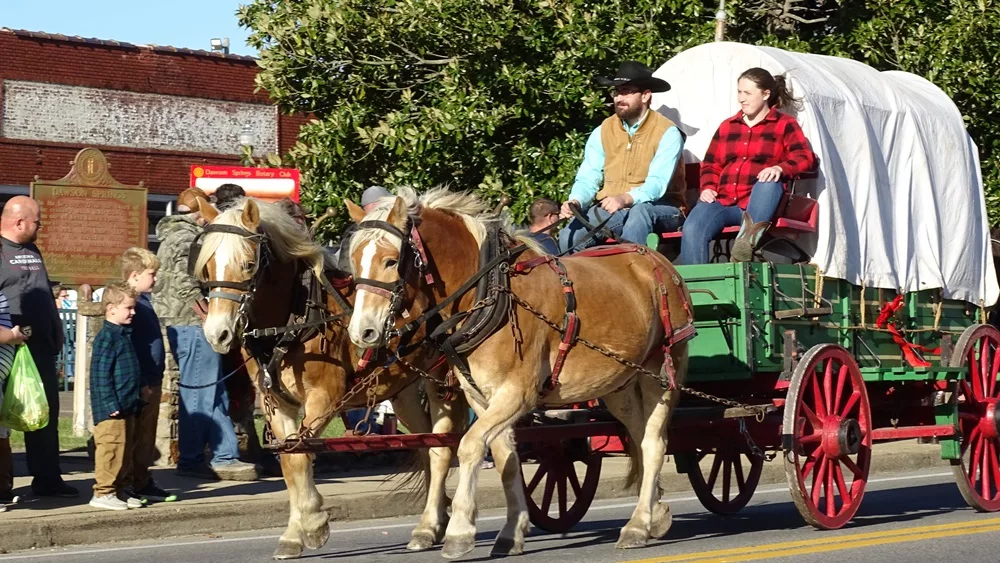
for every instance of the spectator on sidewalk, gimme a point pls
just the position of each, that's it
(10, 337)
(139, 268)
(203, 417)
(25, 281)
(114, 400)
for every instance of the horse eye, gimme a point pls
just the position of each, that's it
(391, 263)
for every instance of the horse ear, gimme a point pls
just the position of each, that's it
(397, 217)
(207, 211)
(357, 214)
(251, 214)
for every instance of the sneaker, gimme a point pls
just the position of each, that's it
(8, 497)
(235, 471)
(154, 493)
(130, 499)
(108, 502)
(60, 489)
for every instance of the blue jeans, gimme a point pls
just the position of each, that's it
(633, 224)
(203, 417)
(707, 220)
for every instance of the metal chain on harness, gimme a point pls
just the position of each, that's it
(759, 412)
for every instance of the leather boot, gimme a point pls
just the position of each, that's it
(747, 239)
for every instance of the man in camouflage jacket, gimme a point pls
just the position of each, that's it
(203, 418)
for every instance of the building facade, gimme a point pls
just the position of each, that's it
(153, 111)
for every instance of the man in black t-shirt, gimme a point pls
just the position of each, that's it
(25, 282)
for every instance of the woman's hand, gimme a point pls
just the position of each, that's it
(19, 337)
(708, 196)
(770, 174)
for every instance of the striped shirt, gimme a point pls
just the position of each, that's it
(6, 350)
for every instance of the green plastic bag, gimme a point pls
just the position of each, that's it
(24, 407)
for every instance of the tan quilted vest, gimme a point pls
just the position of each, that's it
(626, 161)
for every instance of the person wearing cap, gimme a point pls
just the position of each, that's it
(203, 416)
(632, 169)
(369, 199)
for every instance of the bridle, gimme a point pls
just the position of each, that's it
(246, 288)
(411, 254)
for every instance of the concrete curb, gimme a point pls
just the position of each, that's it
(186, 519)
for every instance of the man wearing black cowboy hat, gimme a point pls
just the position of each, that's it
(632, 169)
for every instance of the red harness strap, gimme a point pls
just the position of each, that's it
(418, 243)
(910, 350)
(671, 336)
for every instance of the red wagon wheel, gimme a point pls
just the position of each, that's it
(726, 473)
(565, 482)
(977, 472)
(827, 436)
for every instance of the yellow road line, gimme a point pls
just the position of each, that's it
(832, 543)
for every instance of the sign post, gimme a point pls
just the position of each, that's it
(269, 184)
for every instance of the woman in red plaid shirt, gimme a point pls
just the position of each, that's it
(742, 173)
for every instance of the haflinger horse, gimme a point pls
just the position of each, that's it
(257, 263)
(627, 299)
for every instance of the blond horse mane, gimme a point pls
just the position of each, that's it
(464, 205)
(288, 240)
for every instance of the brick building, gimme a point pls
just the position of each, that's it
(153, 111)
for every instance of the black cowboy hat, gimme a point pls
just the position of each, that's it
(636, 74)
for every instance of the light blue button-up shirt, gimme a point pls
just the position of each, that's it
(591, 173)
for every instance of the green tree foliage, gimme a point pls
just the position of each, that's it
(498, 96)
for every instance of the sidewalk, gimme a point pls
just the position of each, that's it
(207, 507)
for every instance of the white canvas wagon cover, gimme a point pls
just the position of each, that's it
(900, 190)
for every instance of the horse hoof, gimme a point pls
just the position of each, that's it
(662, 520)
(420, 541)
(317, 538)
(631, 539)
(457, 547)
(507, 546)
(287, 550)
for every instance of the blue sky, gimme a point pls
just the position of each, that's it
(180, 23)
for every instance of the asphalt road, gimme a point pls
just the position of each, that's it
(917, 517)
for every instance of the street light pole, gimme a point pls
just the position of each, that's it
(720, 21)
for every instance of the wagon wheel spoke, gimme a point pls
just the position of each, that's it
(543, 468)
(817, 484)
(550, 485)
(852, 402)
(992, 374)
(741, 481)
(810, 415)
(811, 439)
(842, 375)
(818, 401)
(561, 484)
(716, 464)
(845, 494)
(726, 480)
(975, 365)
(831, 504)
(574, 481)
(828, 386)
(853, 467)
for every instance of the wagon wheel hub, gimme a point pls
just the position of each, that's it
(841, 436)
(989, 424)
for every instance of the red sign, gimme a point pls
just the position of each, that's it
(269, 184)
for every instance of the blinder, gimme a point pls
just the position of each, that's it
(409, 250)
(246, 287)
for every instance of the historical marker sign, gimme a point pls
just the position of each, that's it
(88, 219)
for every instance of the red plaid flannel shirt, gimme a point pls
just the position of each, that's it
(738, 153)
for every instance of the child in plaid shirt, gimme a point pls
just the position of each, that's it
(114, 399)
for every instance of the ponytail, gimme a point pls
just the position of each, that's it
(781, 96)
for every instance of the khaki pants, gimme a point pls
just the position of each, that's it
(144, 451)
(6, 466)
(114, 440)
